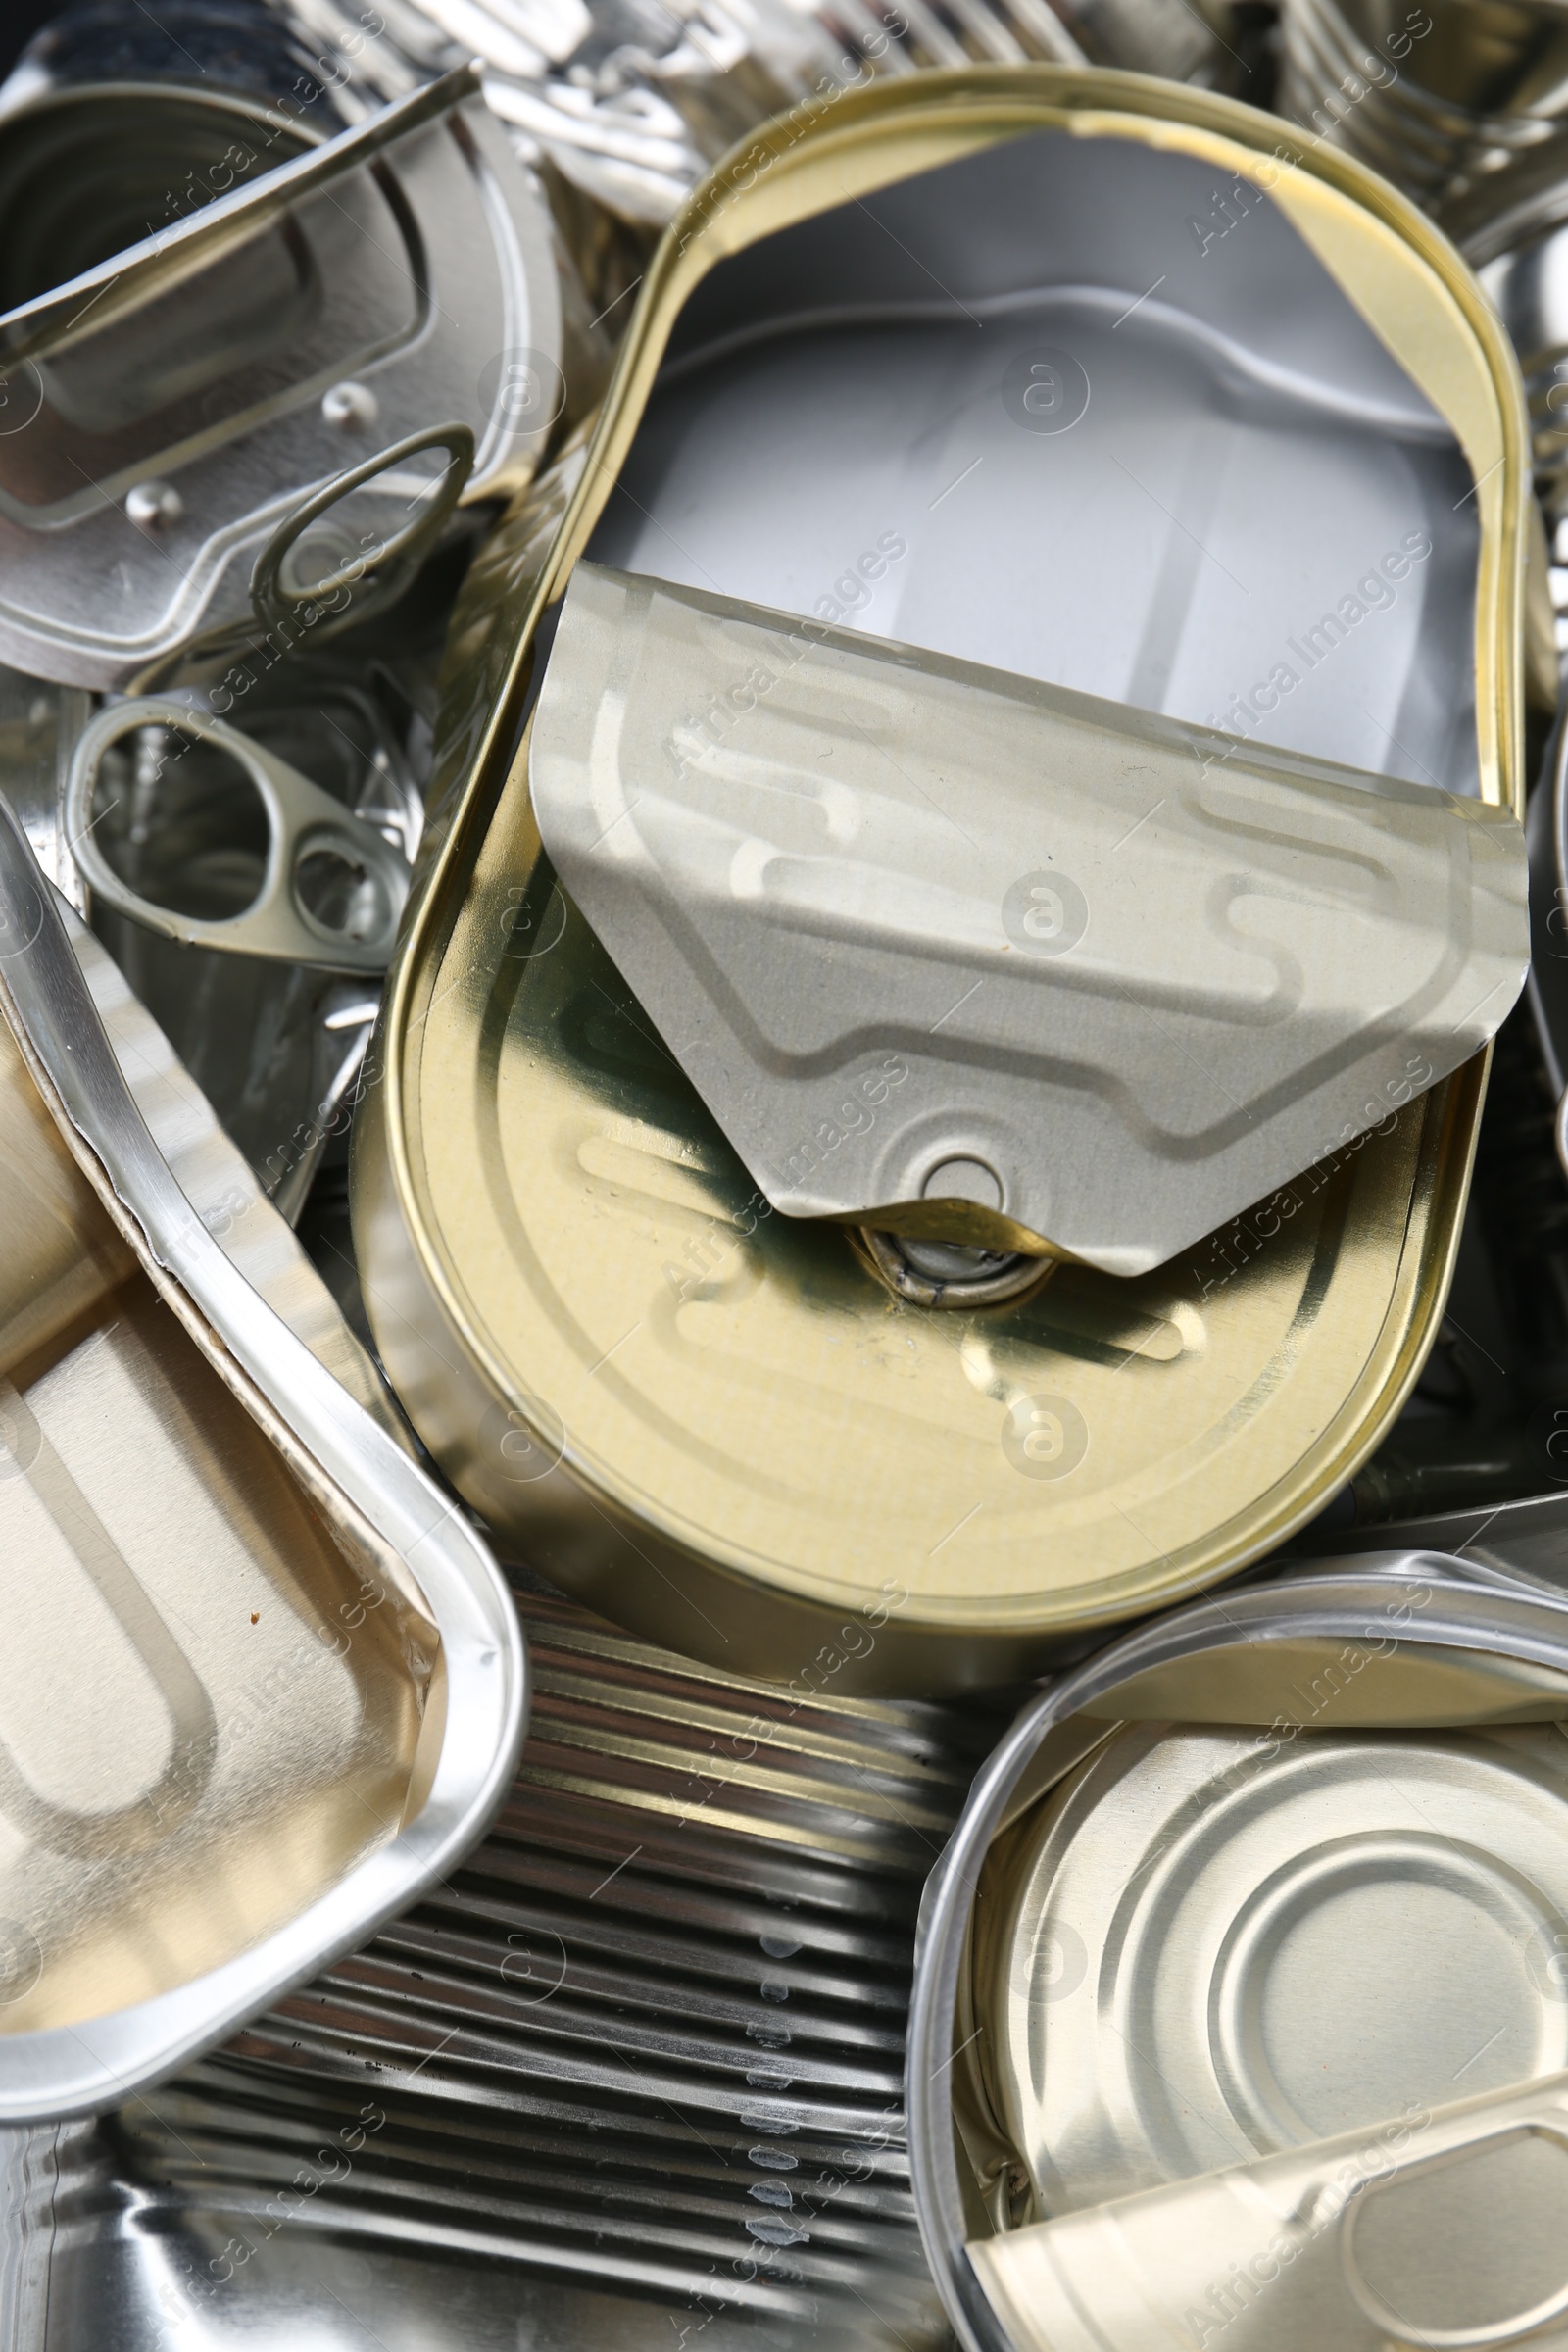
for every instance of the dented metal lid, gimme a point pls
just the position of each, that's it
(963, 954)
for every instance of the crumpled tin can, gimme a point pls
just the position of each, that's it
(266, 1685)
(1336, 1808)
(716, 1423)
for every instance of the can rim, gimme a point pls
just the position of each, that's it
(1469, 1610)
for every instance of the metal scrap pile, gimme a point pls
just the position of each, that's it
(784, 1051)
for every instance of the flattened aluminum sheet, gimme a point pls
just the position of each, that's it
(1225, 1943)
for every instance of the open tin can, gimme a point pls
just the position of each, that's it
(1271, 1887)
(946, 364)
(266, 1682)
(313, 304)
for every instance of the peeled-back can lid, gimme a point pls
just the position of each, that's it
(1434, 2226)
(720, 1422)
(1131, 974)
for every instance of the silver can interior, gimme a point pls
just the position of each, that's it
(1080, 409)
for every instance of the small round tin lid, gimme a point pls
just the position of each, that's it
(1217, 1941)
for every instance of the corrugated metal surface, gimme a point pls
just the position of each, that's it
(634, 2076)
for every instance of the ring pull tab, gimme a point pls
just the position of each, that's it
(367, 582)
(319, 853)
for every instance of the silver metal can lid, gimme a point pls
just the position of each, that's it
(1213, 1943)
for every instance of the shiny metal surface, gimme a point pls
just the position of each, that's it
(948, 1275)
(220, 1184)
(1208, 1947)
(1548, 983)
(629, 2079)
(272, 1685)
(1434, 97)
(1521, 1541)
(631, 106)
(140, 1510)
(183, 381)
(229, 44)
(1437, 2227)
(61, 1261)
(1512, 230)
(39, 728)
(1513, 227)
(310, 577)
(305, 828)
(278, 1052)
(702, 1418)
(1278, 544)
(912, 927)
(1328, 1649)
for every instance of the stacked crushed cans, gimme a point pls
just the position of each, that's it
(784, 1178)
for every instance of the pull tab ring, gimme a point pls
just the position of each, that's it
(302, 821)
(375, 580)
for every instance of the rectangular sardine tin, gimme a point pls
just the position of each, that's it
(1280, 491)
(158, 1554)
(260, 1683)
